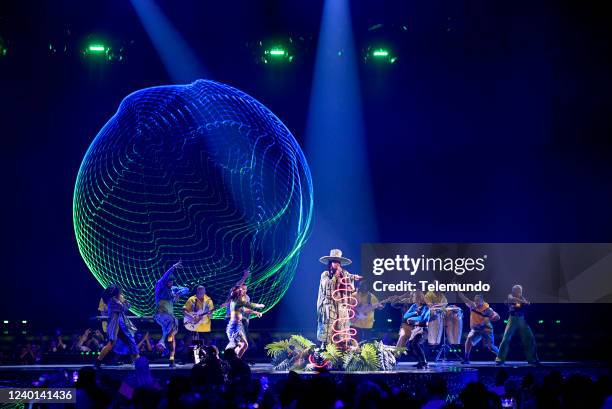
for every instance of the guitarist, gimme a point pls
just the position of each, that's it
(481, 328)
(363, 321)
(198, 310)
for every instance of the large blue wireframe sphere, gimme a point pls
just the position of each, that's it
(200, 172)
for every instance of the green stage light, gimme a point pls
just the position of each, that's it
(96, 48)
(540, 321)
(276, 54)
(558, 322)
(24, 322)
(5, 321)
(380, 53)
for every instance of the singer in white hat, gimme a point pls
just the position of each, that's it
(332, 313)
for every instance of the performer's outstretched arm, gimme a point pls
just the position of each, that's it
(410, 313)
(514, 300)
(167, 274)
(244, 277)
(467, 301)
(493, 316)
(238, 284)
(424, 317)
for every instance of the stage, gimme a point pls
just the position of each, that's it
(405, 377)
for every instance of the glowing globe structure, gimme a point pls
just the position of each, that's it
(200, 172)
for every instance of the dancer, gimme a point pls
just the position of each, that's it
(516, 322)
(165, 296)
(245, 317)
(403, 303)
(241, 283)
(417, 318)
(120, 329)
(197, 312)
(235, 328)
(481, 316)
(102, 310)
(335, 302)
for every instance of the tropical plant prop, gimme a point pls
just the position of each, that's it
(290, 354)
(299, 353)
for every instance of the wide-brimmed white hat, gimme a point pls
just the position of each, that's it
(335, 255)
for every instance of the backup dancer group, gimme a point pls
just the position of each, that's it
(197, 316)
(337, 319)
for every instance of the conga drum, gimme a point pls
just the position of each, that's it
(453, 323)
(434, 328)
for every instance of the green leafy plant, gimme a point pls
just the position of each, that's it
(290, 354)
(387, 355)
(364, 358)
(293, 353)
(333, 355)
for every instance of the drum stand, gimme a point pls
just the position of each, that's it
(445, 348)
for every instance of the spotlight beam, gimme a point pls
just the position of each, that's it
(336, 150)
(335, 139)
(176, 55)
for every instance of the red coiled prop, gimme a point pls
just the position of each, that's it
(343, 335)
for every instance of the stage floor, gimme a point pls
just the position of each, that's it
(402, 367)
(406, 366)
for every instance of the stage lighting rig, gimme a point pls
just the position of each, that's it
(280, 50)
(374, 54)
(96, 49)
(383, 42)
(276, 54)
(102, 51)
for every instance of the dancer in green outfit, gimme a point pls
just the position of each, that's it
(516, 323)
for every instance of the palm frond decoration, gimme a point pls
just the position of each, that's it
(284, 365)
(387, 355)
(369, 353)
(278, 347)
(352, 361)
(294, 353)
(290, 354)
(333, 355)
(300, 342)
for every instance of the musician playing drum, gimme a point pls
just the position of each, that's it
(417, 318)
(481, 328)
(198, 310)
(437, 302)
